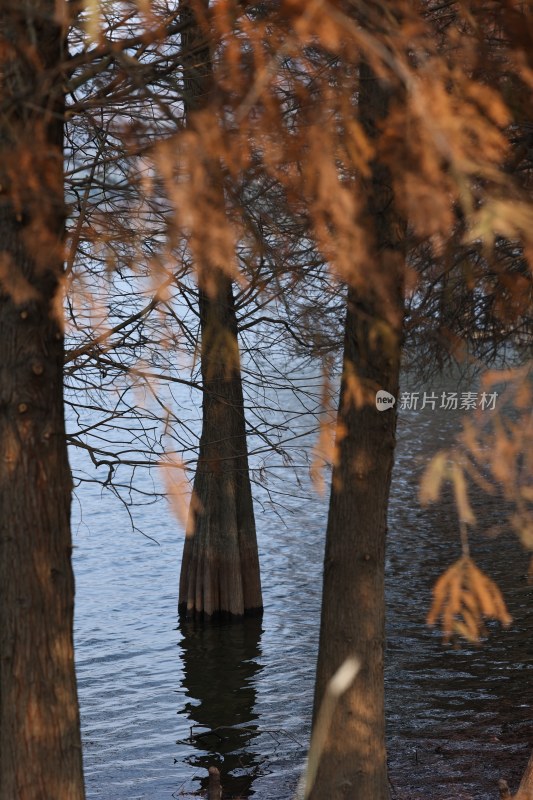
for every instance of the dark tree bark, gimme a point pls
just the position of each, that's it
(353, 763)
(40, 748)
(220, 566)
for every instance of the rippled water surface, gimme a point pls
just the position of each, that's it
(160, 704)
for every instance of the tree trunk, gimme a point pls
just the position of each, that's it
(40, 748)
(353, 763)
(220, 566)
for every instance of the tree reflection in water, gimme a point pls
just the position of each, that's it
(220, 667)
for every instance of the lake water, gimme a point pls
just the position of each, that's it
(159, 704)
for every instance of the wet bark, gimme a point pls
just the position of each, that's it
(353, 763)
(220, 565)
(40, 748)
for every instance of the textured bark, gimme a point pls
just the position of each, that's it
(40, 748)
(220, 565)
(353, 763)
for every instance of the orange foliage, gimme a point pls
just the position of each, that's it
(462, 598)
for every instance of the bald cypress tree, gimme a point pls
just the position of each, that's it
(40, 749)
(354, 762)
(220, 566)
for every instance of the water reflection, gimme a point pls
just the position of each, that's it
(454, 717)
(220, 670)
(457, 720)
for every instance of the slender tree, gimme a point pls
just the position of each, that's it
(40, 749)
(354, 758)
(220, 566)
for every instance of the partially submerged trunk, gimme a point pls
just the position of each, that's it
(353, 762)
(220, 566)
(40, 748)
